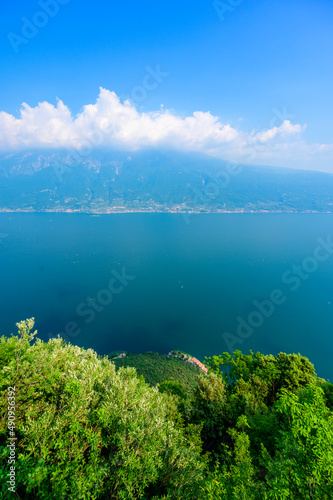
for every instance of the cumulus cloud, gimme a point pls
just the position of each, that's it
(113, 124)
(285, 130)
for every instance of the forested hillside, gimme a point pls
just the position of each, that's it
(157, 368)
(256, 427)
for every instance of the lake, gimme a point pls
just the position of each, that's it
(157, 282)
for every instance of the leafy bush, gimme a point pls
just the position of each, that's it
(87, 431)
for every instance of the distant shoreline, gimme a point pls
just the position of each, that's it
(170, 211)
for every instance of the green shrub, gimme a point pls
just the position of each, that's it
(87, 431)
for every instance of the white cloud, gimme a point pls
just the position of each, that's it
(113, 124)
(285, 130)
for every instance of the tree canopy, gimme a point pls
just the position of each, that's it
(255, 427)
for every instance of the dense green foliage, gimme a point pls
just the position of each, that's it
(87, 431)
(256, 427)
(271, 432)
(157, 368)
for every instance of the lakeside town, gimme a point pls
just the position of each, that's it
(155, 209)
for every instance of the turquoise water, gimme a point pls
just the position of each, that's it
(191, 281)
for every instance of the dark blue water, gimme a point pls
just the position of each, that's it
(192, 282)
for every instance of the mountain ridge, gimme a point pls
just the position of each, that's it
(155, 181)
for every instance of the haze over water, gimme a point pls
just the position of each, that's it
(192, 281)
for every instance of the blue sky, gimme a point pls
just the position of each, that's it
(265, 62)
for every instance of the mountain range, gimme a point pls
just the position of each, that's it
(154, 181)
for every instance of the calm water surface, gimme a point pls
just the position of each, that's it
(192, 282)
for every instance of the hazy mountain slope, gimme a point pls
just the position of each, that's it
(154, 181)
